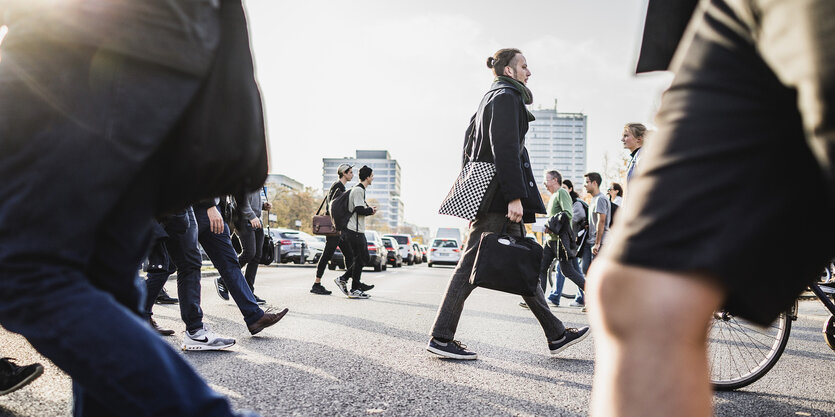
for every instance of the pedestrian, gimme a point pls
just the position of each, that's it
(567, 265)
(251, 235)
(600, 213)
(14, 377)
(748, 112)
(345, 173)
(615, 192)
(185, 260)
(633, 140)
(355, 235)
(499, 131)
(213, 235)
(93, 99)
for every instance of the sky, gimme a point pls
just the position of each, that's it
(406, 76)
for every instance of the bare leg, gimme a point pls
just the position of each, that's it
(651, 333)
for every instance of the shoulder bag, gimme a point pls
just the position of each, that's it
(507, 263)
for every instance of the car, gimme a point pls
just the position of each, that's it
(315, 247)
(417, 252)
(443, 251)
(337, 260)
(394, 259)
(292, 247)
(404, 244)
(376, 251)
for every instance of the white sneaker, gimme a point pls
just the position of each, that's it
(358, 294)
(204, 339)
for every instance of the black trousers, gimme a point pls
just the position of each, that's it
(359, 244)
(331, 242)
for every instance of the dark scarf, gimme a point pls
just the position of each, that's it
(527, 96)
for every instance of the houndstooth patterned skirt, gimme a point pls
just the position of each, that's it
(467, 194)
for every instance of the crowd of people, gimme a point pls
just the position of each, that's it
(109, 133)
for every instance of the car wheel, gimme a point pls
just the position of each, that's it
(332, 267)
(384, 267)
(378, 268)
(429, 264)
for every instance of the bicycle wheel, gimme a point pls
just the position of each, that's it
(741, 352)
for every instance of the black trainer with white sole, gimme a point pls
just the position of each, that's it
(452, 349)
(571, 336)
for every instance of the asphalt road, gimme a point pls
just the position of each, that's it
(335, 356)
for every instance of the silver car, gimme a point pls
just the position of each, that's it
(443, 251)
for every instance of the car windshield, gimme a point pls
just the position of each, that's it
(387, 242)
(401, 240)
(444, 244)
(371, 237)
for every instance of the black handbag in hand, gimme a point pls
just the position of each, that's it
(507, 263)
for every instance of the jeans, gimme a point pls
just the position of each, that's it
(572, 266)
(585, 257)
(219, 248)
(186, 261)
(252, 243)
(79, 129)
(331, 242)
(359, 245)
(452, 305)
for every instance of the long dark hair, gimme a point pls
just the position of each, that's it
(571, 192)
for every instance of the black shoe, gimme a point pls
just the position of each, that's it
(452, 349)
(13, 377)
(319, 289)
(222, 292)
(160, 330)
(259, 300)
(364, 287)
(163, 298)
(570, 337)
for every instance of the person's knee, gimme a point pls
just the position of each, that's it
(638, 302)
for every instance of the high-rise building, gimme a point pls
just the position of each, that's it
(386, 186)
(558, 141)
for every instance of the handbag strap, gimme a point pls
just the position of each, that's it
(521, 227)
(320, 206)
(268, 212)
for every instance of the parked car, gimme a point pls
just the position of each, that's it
(417, 252)
(394, 259)
(444, 251)
(404, 243)
(376, 251)
(314, 246)
(337, 260)
(292, 247)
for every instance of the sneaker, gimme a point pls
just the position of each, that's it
(342, 285)
(164, 298)
(585, 309)
(524, 305)
(555, 301)
(260, 301)
(319, 289)
(222, 292)
(205, 339)
(570, 337)
(576, 304)
(268, 319)
(160, 330)
(365, 287)
(453, 350)
(358, 294)
(14, 377)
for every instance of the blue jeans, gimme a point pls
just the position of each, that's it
(79, 130)
(185, 260)
(559, 283)
(219, 248)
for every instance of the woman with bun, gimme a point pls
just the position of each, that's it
(497, 134)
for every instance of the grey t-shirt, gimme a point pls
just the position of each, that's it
(599, 204)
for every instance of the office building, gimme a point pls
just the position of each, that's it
(558, 141)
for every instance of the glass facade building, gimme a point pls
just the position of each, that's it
(558, 141)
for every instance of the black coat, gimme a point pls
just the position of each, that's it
(663, 29)
(499, 127)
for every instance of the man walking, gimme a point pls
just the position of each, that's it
(355, 235)
(251, 234)
(345, 174)
(600, 211)
(560, 202)
(497, 134)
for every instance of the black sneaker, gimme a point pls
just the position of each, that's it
(164, 298)
(319, 289)
(453, 350)
(260, 301)
(364, 287)
(13, 377)
(342, 285)
(222, 292)
(570, 337)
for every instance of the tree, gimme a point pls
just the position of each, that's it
(378, 221)
(291, 205)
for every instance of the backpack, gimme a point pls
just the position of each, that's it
(340, 212)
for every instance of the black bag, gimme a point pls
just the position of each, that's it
(507, 263)
(268, 250)
(340, 212)
(219, 146)
(229, 211)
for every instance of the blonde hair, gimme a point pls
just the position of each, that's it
(636, 129)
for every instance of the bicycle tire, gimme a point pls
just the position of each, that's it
(740, 352)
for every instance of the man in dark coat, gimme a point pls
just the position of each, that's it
(498, 136)
(753, 90)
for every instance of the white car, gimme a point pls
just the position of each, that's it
(314, 248)
(404, 244)
(444, 251)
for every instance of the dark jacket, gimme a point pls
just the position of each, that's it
(567, 243)
(663, 29)
(499, 137)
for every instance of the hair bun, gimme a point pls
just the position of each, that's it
(490, 61)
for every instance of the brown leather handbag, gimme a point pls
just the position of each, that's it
(323, 224)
